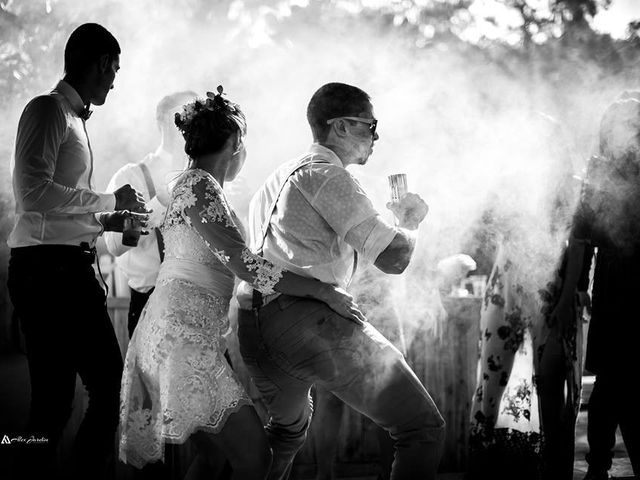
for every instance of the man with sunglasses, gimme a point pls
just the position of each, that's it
(313, 218)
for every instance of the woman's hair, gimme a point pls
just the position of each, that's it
(206, 124)
(169, 103)
(86, 45)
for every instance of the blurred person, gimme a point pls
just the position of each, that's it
(151, 177)
(312, 217)
(527, 396)
(608, 219)
(53, 287)
(177, 384)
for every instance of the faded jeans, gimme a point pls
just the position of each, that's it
(293, 343)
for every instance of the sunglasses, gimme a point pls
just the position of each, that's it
(372, 122)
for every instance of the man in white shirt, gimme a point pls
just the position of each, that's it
(52, 284)
(313, 218)
(152, 177)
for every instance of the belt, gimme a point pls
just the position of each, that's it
(56, 253)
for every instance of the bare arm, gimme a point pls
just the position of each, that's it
(396, 257)
(410, 212)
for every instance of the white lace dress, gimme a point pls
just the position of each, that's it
(176, 379)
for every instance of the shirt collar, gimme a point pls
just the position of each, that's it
(326, 154)
(72, 96)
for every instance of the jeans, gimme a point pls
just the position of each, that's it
(67, 330)
(292, 343)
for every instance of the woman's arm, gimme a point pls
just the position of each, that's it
(210, 216)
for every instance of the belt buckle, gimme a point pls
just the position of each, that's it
(88, 252)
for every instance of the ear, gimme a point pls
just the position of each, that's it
(236, 142)
(104, 63)
(339, 128)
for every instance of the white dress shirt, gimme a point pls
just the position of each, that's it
(322, 215)
(139, 264)
(55, 201)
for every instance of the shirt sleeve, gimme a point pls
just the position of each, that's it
(338, 198)
(371, 237)
(210, 215)
(113, 240)
(41, 131)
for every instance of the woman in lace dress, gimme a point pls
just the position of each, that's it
(177, 383)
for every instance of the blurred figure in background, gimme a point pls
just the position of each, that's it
(529, 377)
(609, 220)
(151, 177)
(53, 287)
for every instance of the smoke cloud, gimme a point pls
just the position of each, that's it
(472, 134)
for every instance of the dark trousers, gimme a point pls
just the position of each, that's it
(137, 302)
(293, 343)
(67, 331)
(609, 407)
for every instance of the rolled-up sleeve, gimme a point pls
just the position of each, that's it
(345, 206)
(371, 237)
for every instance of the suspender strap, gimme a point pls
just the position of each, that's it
(147, 178)
(152, 193)
(264, 228)
(265, 225)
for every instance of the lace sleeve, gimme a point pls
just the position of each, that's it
(208, 212)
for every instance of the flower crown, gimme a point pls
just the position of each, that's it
(213, 102)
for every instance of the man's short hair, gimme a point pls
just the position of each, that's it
(334, 100)
(168, 103)
(86, 45)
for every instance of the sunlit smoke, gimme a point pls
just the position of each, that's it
(471, 134)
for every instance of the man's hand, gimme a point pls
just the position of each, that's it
(410, 211)
(129, 199)
(341, 302)
(114, 221)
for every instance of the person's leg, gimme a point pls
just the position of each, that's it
(243, 441)
(307, 341)
(628, 418)
(602, 422)
(386, 453)
(387, 391)
(137, 301)
(99, 362)
(40, 304)
(325, 430)
(558, 418)
(287, 398)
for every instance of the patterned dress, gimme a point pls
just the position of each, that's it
(507, 427)
(176, 379)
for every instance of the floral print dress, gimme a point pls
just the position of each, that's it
(176, 379)
(507, 427)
